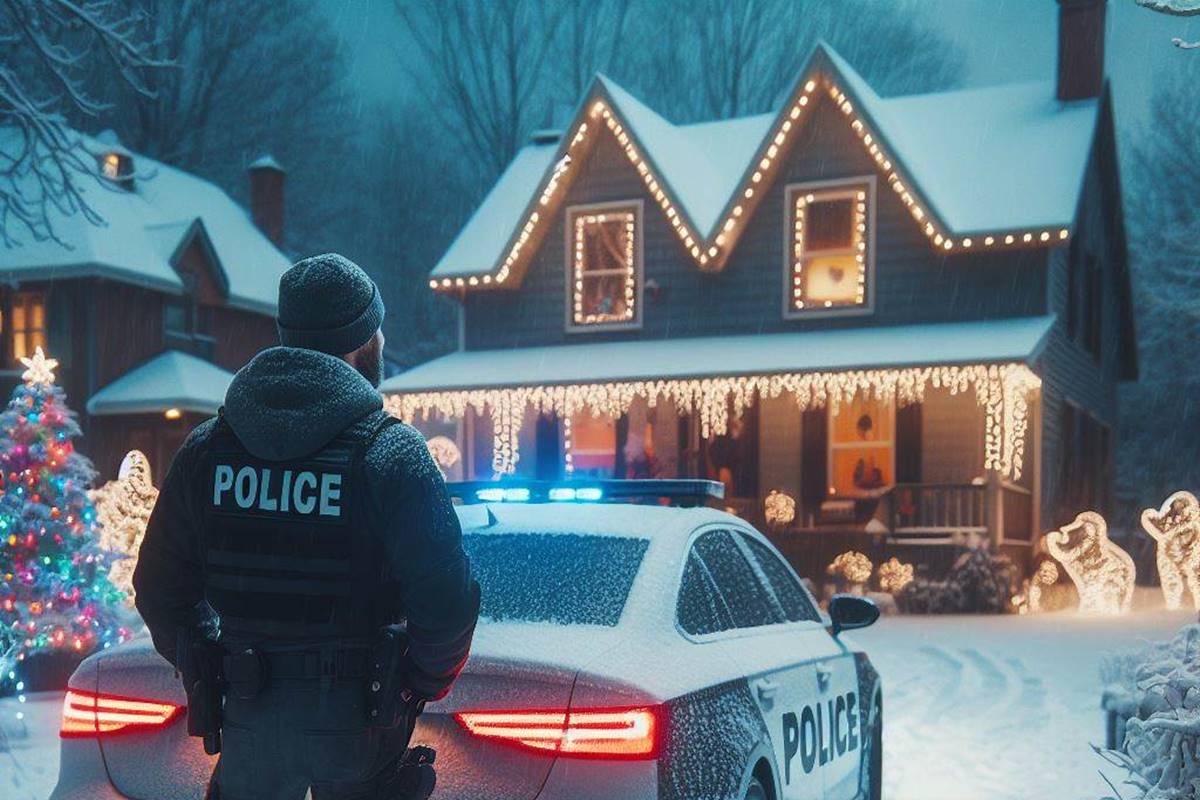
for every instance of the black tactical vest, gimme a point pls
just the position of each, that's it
(287, 547)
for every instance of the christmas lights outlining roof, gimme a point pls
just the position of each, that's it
(980, 168)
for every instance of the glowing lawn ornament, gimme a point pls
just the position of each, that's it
(780, 508)
(894, 575)
(1176, 528)
(1103, 573)
(444, 451)
(123, 509)
(853, 566)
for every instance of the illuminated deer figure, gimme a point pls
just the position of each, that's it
(1176, 528)
(1103, 573)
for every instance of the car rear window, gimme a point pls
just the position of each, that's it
(559, 578)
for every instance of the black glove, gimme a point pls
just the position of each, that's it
(411, 777)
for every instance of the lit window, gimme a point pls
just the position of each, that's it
(591, 445)
(28, 323)
(829, 260)
(861, 447)
(604, 267)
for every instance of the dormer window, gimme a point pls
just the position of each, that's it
(604, 266)
(118, 168)
(830, 260)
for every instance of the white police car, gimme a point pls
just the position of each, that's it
(624, 651)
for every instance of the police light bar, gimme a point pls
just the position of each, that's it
(677, 491)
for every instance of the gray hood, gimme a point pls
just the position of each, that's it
(289, 402)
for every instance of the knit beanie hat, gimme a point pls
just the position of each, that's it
(328, 303)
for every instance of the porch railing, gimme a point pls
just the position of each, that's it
(938, 513)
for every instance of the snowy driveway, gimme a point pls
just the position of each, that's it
(995, 708)
(1002, 708)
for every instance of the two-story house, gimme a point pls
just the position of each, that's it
(150, 311)
(906, 315)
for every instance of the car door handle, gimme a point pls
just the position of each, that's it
(765, 689)
(824, 673)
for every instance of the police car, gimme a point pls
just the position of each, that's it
(627, 648)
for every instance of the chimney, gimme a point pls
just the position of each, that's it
(1080, 48)
(266, 198)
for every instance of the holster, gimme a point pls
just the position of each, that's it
(199, 661)
(390, 704)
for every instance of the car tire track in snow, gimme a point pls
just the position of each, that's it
(945, 697)
(1033, 688)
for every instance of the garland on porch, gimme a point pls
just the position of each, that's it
(1003, 390)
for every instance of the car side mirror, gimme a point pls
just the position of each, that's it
(849, 611)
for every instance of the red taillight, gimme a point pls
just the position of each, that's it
(88, 714)
(583, 733)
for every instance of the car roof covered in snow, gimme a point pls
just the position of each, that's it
(597, 519)
(1006, 157)
(143, 229)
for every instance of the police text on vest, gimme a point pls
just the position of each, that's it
(262, 488)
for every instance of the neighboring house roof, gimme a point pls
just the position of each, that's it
(171, 379)
(1001, 160)
(144, 229)
(984, 342)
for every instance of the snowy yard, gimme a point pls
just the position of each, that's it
(1000, 707)
(976, 707)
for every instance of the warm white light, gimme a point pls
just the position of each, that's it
(894, 575)
(1003, 390)
(780, 508)
(39, 370)
(172, 413)
(1102, 572)
(123, 509)
(853, 566)
(1175, 527)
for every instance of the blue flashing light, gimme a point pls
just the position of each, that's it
(518, 494)
(589, 493)
(490, 495)
(561, 494)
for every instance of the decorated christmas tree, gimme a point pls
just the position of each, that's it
(54, 588)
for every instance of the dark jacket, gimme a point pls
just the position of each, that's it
(288, 403)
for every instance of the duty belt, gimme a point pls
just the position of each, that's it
(306, 663)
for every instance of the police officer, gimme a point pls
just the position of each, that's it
(300, 520)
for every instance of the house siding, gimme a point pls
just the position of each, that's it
(1070, 373)
(914, 282)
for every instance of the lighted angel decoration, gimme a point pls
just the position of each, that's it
(1102, 572)
(123, 509)
(1175, 526)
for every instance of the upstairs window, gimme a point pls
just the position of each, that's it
(604, 280)
(829, 262)
(28, 323)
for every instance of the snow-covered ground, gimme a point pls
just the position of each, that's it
(975, 707)
(1001, 707)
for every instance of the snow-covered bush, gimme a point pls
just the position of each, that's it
(1158, 689)
(980, 582)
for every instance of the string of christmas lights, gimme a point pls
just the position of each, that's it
(54, 587)
(1003, 390)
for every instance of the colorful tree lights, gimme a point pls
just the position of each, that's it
(54, 586)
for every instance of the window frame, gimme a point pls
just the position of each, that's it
(27, 299)
(635, 206)
(829, 189)
(830, 447)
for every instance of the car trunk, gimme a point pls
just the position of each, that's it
(151, 764)
(512, 667)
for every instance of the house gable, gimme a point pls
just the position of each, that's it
(913, 282)
(197, 264)
(684, 180)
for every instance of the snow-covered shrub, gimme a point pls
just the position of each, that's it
(980, 582)
(1158, 688)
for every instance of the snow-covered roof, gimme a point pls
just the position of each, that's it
(172, 379)
(988, 341)
(134, 244)
(994, 159)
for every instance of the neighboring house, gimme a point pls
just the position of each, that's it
(149, 313)
(908, 314)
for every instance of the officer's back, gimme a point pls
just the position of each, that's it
(300, 520)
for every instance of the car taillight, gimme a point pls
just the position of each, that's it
(582, 733)
(89, 714)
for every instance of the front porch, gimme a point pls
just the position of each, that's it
(914, 462)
